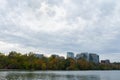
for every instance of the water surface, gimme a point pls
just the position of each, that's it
(59, 75)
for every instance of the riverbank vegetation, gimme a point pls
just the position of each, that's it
(15, 60)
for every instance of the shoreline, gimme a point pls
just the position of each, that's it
(51, 70)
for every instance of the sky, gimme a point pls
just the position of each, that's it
(60, 26)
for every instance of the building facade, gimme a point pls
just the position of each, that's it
(70, 55)
(94, 58)
(84, 55)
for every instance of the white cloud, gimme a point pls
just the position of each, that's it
(7, 46)
(2, 4)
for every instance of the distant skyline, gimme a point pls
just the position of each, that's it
(60, 26)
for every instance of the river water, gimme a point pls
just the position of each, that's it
(59, 75)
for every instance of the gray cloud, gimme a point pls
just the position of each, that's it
(60, 26)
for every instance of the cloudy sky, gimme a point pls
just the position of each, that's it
(58, 26)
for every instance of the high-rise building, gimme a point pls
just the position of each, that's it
(78, 56)
(70, 55)
(94, 58)
(83, 55)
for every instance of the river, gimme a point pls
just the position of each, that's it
(59, 75)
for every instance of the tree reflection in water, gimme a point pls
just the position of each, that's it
(48, 76)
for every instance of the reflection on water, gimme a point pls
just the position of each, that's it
(54, 75)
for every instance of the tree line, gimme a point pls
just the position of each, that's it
(15, 60)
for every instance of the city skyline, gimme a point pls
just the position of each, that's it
(80, 55)
(58, 26)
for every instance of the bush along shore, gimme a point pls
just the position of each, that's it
(19, 61)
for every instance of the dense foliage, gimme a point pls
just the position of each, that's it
(29, 61)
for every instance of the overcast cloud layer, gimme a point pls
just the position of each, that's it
(58, 26)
